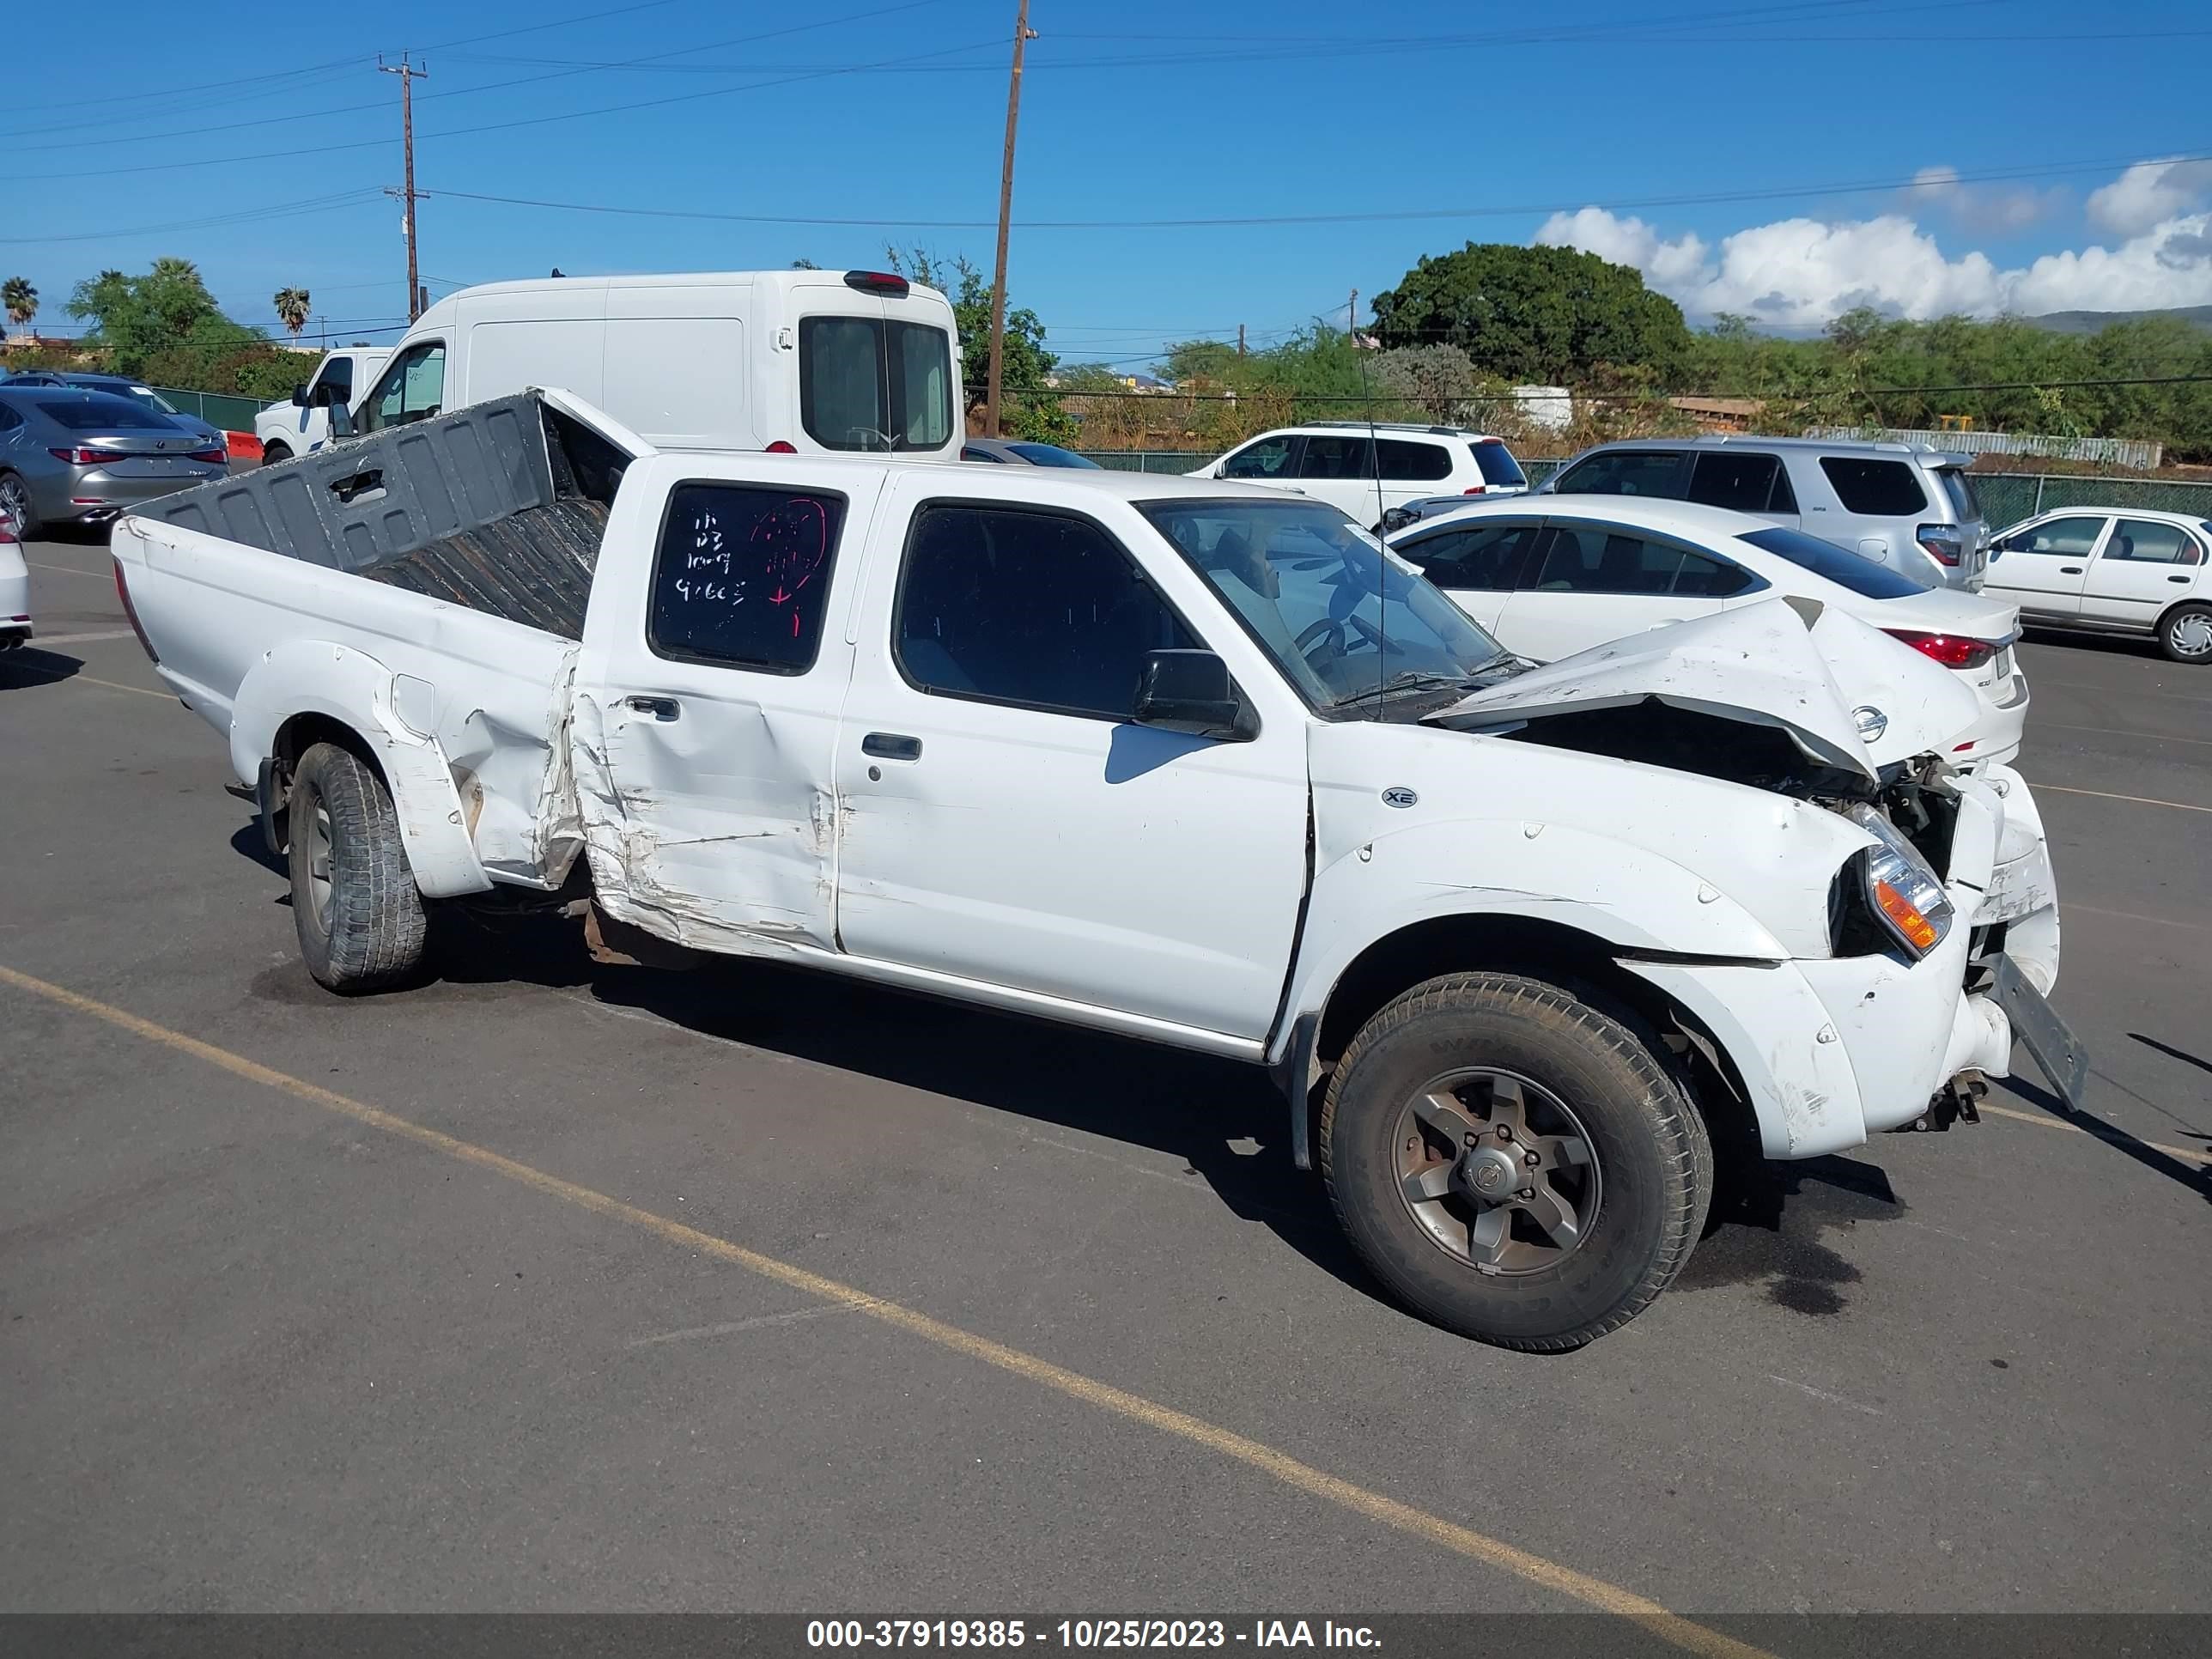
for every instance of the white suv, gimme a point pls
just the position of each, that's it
(1368, 468)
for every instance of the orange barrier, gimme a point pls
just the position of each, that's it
(244, 446)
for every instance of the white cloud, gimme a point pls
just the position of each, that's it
(1804, 272)
(2149, 194)
(1981, 207)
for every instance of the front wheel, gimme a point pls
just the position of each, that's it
(2186, 635)
(359, 913)
(1514, 1164)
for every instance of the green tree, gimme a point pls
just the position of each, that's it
(166, 307)
(1533, 313)
(21, 299)
(1029, 408)
(292, 308)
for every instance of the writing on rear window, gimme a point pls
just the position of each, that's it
(742, 575)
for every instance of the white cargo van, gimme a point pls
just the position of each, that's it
(796, 362)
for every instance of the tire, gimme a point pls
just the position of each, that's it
(1638, 1202)
(361, 919)
(15, 497)
(2184, 633)
(271, 454)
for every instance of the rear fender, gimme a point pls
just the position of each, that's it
(319, 676)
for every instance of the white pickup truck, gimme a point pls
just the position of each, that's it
(1190, 761)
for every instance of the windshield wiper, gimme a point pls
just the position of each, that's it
(1407, 682)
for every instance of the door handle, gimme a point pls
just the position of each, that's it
(2069, 569)
(890, 745)
(661, 709)
(2184, 581)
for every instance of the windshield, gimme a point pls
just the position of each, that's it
(1500, 469)
(1051, 455)
(853, 369)
(1838, 564)
(1959, 489)
(1342, 619)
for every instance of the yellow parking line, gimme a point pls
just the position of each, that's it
(2187, 1154)
(1120, 1402)
(113, 685)
(2140, 800)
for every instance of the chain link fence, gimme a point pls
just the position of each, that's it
(217, 409)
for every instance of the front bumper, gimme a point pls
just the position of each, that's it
(1832, 1050)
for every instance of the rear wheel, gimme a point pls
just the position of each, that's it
(273, 453)
(359, 913)
(2186, 635)
(15, 501)
(1514, 1164)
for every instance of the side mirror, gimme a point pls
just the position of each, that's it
(342, 424)
(300, 399)
(1192, 692)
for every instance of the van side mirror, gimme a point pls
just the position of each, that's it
(1192, 692)
(342, 424)
(300, 396)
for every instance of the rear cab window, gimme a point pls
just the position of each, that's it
(1875, 488)
(874, 383)
(1655, 472)
(741, 575)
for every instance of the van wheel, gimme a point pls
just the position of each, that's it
(271, 454)
(359, 914)
(1514, 1164)
(16, 501)
(2186, 635)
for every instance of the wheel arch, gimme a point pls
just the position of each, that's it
(1572, 958)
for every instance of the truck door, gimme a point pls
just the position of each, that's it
(706, 714)
(1006, 822)
(860, 365)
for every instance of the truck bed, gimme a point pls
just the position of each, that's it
(498, 507)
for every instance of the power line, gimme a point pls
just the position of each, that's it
(1863, 186)
(1621, 397)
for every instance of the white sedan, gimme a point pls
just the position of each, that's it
(15, 587)
(1552, 575)
(2110, 571)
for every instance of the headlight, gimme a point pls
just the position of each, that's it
(1905, 893)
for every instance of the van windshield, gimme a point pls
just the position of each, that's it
(873, 383)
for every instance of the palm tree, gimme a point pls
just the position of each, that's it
(293, 306)
(21, 299)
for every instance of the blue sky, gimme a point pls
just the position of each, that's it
(1595, 124)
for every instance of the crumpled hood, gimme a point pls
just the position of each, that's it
(1792, 664)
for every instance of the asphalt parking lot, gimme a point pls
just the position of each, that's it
(553, 1286)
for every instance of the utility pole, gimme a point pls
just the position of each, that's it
(408, 74)
(1023, 35)
(1351, 317)
(1240, 339)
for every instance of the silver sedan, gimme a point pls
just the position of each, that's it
(71, 457)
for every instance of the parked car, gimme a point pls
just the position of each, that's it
(1552, 575)
(797, 361)
(302, 422)
(1191, 761)
(82, 457)
(1366, 468)
(1903, 505)
(1020, 452)
(2112, 571)
(14, 586)
(119, 385)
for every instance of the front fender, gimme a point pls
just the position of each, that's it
(319, 676)
(1630, 898)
